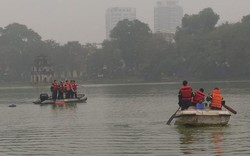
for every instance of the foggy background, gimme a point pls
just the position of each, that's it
(84, 20)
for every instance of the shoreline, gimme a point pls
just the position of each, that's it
(93, 83)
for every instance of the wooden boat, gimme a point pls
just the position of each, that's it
(203, 117)
(44, 99)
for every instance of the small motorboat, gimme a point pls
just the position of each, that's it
(45, 99)
(196, 117)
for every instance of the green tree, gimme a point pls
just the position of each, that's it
(112, 63)
(192, 40)
(160, 62)
(132, 38)
(205, 21)
(16, 41)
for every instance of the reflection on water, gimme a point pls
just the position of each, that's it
(195, 140)
(69, 106)
(217, 137)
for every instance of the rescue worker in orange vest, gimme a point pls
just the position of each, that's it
(67, 89)
(199, 96)
(74, 89)
(216, 99)
(60, 90)
(185, 95)
(54, 88)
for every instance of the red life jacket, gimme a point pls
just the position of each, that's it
(54, 86)
(216, 99)
(74, 87)
(61, 88)
(199, 96)
(186, 93)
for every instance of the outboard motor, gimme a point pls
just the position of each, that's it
(44, 97)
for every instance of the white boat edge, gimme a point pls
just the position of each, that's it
(204, 117)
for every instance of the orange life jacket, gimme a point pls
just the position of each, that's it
(67, 86)
(199, 96)
(186, 93)
(216, 99)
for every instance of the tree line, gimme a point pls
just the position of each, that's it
(200, 50)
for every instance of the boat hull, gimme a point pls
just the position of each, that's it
(80, 99)
(202, 117)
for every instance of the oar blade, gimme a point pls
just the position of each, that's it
(172, 117)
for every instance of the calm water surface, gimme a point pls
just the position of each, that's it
(119, 120)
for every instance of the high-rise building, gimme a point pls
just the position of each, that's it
(167, 16)
(116, 14)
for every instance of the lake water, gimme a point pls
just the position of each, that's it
(119, 120)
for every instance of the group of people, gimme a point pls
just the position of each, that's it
(189, 98)
(67, 89)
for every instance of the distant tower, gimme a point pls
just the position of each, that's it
(167, 16)
(42, 71)
(116, 14)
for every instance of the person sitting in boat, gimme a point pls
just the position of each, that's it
(60, 90)
(74, 89)
(185, 95)
(67, 89)
(199, 97)
(216, 99)
(54, 88)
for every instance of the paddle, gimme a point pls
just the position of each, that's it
(229, 108)
(172, 117)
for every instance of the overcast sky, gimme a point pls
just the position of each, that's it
(84, 20)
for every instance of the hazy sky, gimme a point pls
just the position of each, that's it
(84, 20)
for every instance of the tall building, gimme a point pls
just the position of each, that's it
(116, 14)
(167, 16)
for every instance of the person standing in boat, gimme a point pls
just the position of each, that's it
(67, 89)
(60, 90)
(199, 97)
(74, 89)
(216, 99)
(54, 88)
(71, 89)
(185, 95)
